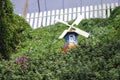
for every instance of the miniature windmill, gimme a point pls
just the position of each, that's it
(70, 34)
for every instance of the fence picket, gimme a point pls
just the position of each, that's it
(32, 19)
(100, 11)
(74, 13)
(108, 9)
(87, 12)
(70, 14)
(61, 14)
(28, 17)
(40, 19)
(83, 12)
(57, 14)
(112, 6)
(44, 18)
(66, 15)
(104, 11)
(78, 11)
(95, 11)
(91, 12)
(116, 4)
(53, 17)
(48, 18)
(36, 20)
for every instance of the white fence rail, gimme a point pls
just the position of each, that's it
(47, 17)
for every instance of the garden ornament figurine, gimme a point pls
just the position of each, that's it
(70, 34)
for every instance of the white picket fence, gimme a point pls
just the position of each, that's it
(47, 17)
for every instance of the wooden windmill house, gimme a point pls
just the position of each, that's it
(70, 34)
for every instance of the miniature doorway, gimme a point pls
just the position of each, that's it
(72, 38)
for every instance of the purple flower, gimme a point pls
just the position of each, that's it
(22, 59)
(18, 59)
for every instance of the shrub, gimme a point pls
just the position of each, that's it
(21, 32)
(12, 29)
(115, 12)
(6, 30)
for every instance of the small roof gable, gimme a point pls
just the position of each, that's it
(65, 32)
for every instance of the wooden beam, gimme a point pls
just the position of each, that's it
(25, 8)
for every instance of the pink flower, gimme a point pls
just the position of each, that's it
(18, 59)
(22, 59)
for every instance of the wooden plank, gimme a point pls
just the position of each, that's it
(28, 17)
(44, 18)
(74, 13)
(87, 12)
(53, 17)
(32, 19)
(100, 11)
(70, 14)
(112, 6)
(48, 18)
(91, 11)
(61, 15)
(40, 19)
(108, 10)
(57, 14)
(66, 15)
(116, 4)
(36, 20)
(104, 11)
(83, 12)
(78, 11)
(95, 11)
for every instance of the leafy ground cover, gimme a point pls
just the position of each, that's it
(39, 57)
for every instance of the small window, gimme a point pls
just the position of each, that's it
(71, 38)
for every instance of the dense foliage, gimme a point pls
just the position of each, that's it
(11, 29)
(6, 11)
(40, 58)
(115, 13)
